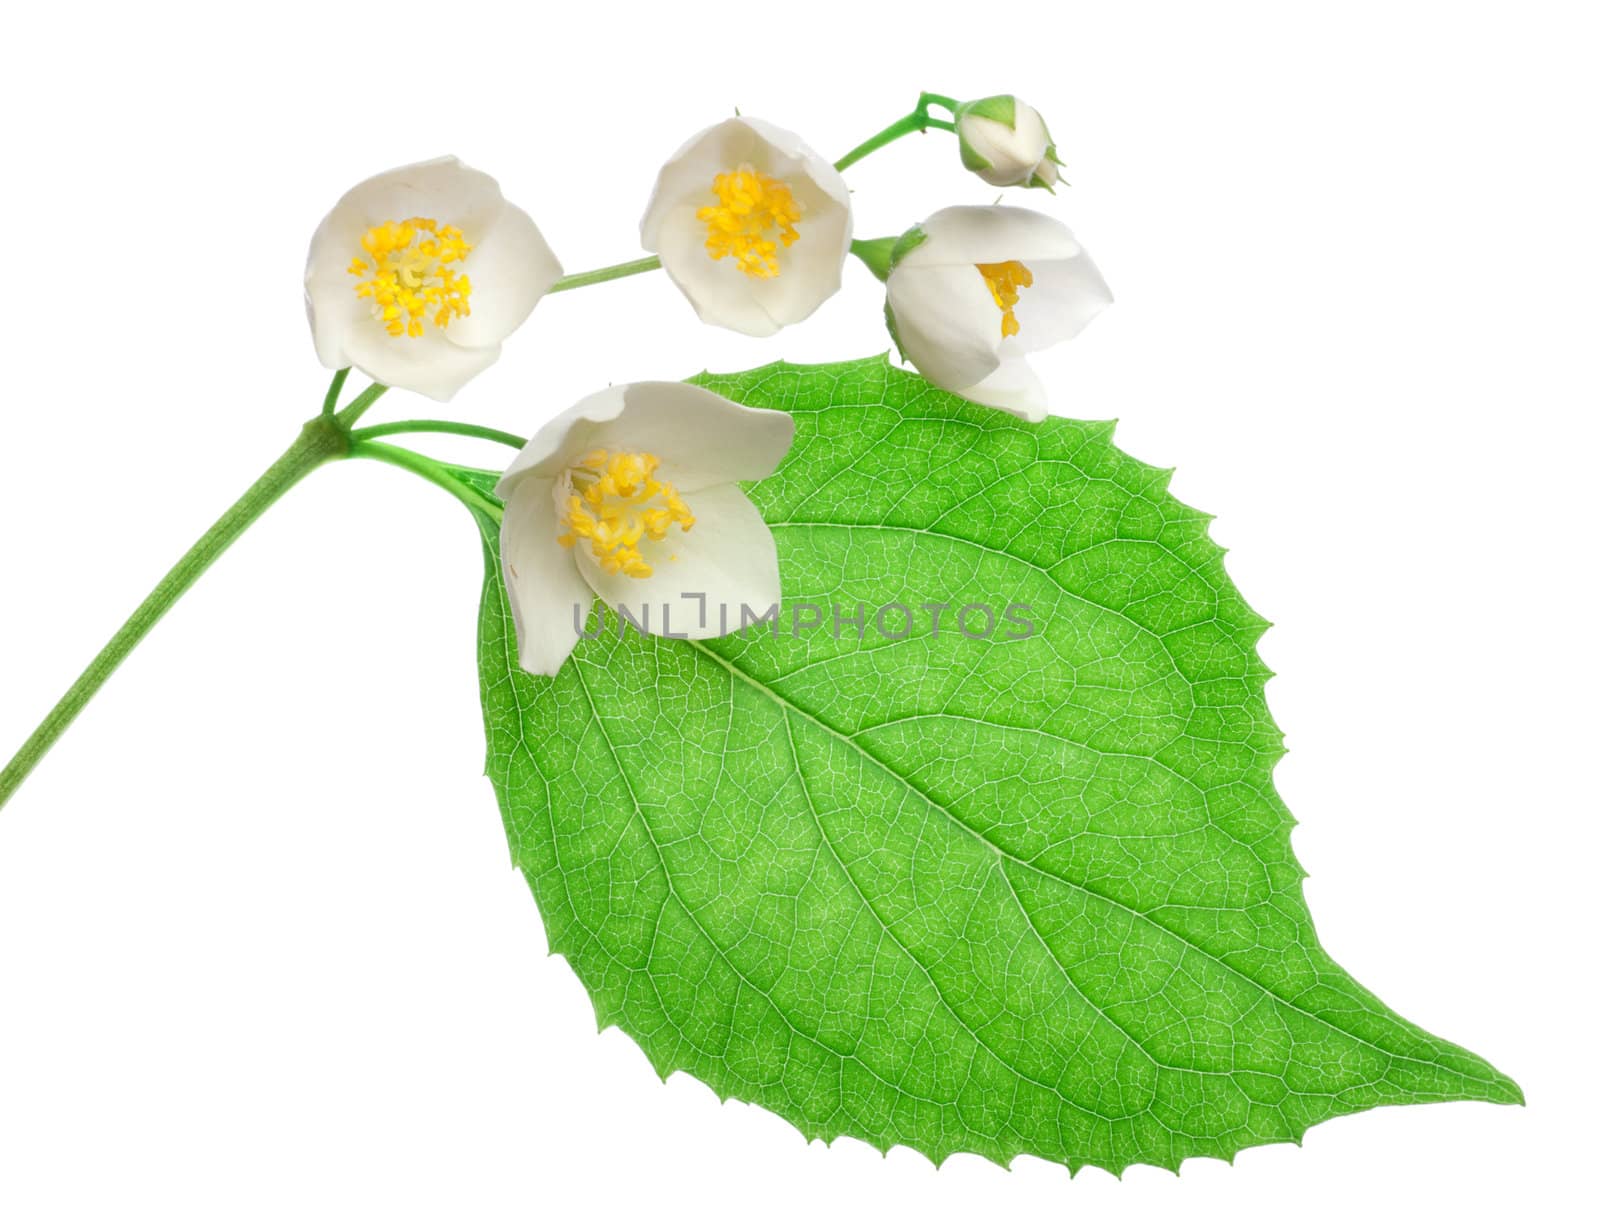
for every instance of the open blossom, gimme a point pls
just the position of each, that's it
(417, 275)
(1005, 142)
(974, 289)
(633, 496)
(751, 224)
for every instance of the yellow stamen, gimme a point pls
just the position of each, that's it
(1003, 279)
(614, 501)
(750, 208)
(411, 280)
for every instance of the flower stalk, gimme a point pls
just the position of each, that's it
(606, 273)
(321, 440)
(433, 471)
(919, 121)
(409, 270)
(443, 427)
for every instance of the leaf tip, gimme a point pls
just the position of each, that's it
(1507, 1090)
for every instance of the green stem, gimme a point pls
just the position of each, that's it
(606, 273)
(331, 402)
(919, 121)
(434, 472)
(359, 404)
(449, 427)
(319, 441)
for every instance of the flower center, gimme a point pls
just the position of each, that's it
(614, 500)
(753, 215)
(407, 276)
(1003, 279)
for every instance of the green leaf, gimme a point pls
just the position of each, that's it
(1006, 896)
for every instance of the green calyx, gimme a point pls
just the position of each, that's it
(877, 255)
(898, 249)
(894, 330)
(883, 254)
(912, 238)
(1001, 108)
(1048, 182)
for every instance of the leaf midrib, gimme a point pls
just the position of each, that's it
(765, 995)
(944, 1001)
(1051, 875)
(736, 676)
(1000, 852)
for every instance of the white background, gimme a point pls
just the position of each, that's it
(263, 960)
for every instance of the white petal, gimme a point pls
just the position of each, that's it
(693, 165)
(947, 322)
(728, 556)
(726, 146)
(702, 438)
(811, 269)
(431, 365)
(511, 268)
(444, 189)
(1065, 297)
(789, 145)
(1030, 133)
(974, 234)
(331, 304)
(550, 601)
(342, 326)
(1014, 387)
(720, 293)
(553, 447)
(332, 313)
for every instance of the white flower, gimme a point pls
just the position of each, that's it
(417, 275)
(1005, 141)
(632, 496)
(751, 224)
(975, 288)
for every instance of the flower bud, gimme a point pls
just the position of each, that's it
(1006, 143)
